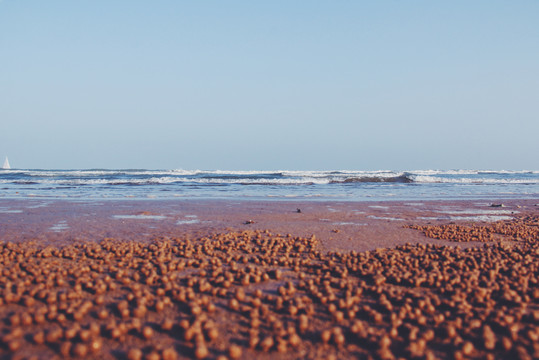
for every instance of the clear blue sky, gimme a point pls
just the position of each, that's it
(270, 84)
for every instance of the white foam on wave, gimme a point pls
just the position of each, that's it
(281, 196)
(340, 173)
(240, 172)
(444, 172)
(464, 180)
(171, 180)
(472, 172)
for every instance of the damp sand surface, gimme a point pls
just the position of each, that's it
(343, 226)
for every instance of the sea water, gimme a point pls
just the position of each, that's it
(342, 185)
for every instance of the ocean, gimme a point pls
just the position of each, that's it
(342, 185)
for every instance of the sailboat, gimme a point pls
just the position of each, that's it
(6, 164)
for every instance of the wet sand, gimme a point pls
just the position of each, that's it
(342, 226)
(216, 279)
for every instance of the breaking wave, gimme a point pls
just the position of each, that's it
(274, 184)
(275, 178)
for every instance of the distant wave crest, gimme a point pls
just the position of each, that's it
(100, 177)
(374, 179)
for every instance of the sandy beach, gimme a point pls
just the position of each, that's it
(230, 279)
(342, 226)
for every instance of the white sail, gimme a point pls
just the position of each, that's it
(6, 164)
